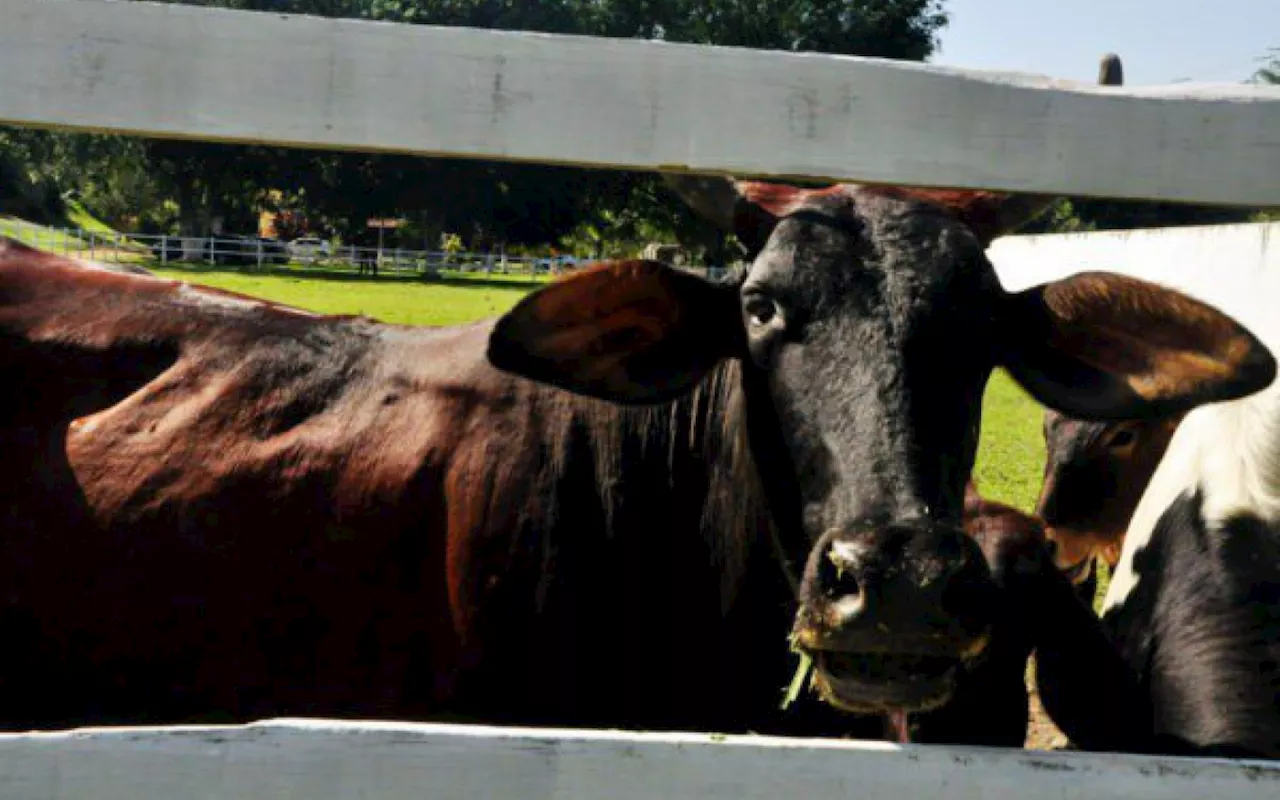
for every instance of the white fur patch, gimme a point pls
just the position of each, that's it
(1231, 453)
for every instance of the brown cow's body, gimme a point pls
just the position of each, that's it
(262, 527)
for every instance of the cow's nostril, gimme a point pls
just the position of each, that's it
(845, 555)
(839, 571)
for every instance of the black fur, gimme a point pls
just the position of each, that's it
(1202, 630)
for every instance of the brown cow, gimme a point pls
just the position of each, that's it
(1094, 475)
(220, 507)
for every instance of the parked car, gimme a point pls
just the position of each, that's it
(308, 249)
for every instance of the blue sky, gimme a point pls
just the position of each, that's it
(1159, 41)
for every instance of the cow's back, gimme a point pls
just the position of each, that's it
(276, 513)
(234, 530)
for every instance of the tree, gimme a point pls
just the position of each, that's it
(901, 29)
(27, 188)
(528, 204)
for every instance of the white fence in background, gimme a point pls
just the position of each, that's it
(180, 71)
(1233, 267)
(256, 253)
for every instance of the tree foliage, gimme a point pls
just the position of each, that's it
(27, 188)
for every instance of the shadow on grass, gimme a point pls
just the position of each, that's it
(349, 275)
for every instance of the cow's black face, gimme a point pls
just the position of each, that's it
(867, 326)
(870, 320)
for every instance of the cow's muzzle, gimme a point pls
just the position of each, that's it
(890, 614)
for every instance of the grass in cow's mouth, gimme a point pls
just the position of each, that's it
(800, 680)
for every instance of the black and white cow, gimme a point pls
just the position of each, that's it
(1194, 602)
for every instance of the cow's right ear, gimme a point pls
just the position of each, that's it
(630, 332)
(1103, 347)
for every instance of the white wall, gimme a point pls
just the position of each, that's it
(1233, 267)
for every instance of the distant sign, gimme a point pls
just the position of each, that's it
(384, 223)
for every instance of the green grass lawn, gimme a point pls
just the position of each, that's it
(1011, 453)
(80, 218)
(1010, 459)
(404, 301)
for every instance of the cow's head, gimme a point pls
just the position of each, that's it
(867, 325)
(1094, 475)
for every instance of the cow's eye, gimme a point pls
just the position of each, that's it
(761, 310)
(1122, 440)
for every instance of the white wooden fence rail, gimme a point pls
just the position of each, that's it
(180, 71)
(324, 760)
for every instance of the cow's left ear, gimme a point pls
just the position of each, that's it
(630, 332)
(1101, 346)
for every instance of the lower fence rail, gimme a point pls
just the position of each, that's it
(328, 760)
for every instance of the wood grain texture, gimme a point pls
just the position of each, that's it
(324, 760)
(190, 72)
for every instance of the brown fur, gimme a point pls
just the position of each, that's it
(1095, 474)
(1124, 334)
(264, 512)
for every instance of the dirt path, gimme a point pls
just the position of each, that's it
(1042, 734)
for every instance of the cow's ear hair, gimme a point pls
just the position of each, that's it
(631, 332)
(1101, 346)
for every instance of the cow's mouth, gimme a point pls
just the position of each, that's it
(875, 683)
(882, 681)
